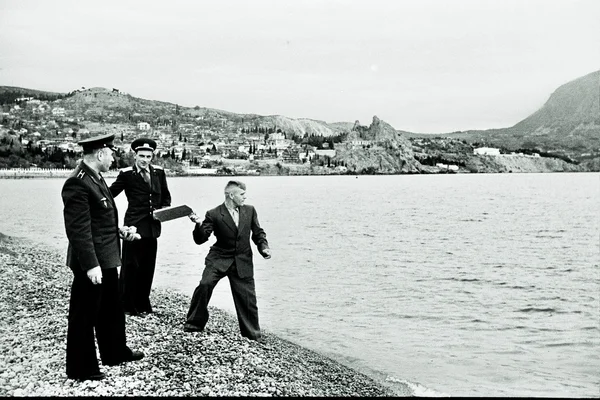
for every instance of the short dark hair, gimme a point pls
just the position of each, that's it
(88, 151)
(238, 184)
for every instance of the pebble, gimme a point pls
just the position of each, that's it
(218, 362)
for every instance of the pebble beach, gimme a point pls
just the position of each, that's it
(217, 362)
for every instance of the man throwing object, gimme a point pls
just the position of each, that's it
(233, 224)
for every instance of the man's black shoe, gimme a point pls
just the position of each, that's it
(93, 377)
(135, 355)
(191, 328)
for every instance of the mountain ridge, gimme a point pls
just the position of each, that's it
(567, 124)
(574, 105)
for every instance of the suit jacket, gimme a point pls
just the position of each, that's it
(91, 221)
(142, 198)
(233, 243)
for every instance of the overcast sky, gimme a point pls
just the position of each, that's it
(422, 66)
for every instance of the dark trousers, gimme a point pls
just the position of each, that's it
(95, 307)
(137, 273)
(244, 298)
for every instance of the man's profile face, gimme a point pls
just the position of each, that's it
(238, 196)
(105, 156)
(143, 158)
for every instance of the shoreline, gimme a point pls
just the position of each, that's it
(112, 174)
(216, 362)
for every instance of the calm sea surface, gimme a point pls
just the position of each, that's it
(474, 285)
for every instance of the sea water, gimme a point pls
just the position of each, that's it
(462, 285)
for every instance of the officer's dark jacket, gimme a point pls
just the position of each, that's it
(91, 221)
(143, 199)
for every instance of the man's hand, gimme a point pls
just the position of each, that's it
(195, 218)
(129, 233)
(95, 275)
(266, 253)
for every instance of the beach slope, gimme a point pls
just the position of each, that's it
(218, 362)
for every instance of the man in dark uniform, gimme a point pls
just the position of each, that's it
(233, 224)
(94, 256)
(146, 189)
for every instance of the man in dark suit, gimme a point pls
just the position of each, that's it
(94, 256)
(232, 223)
(146, 189)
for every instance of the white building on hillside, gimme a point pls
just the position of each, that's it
(278, 141)
(143, 126)
(328, 153)
(488, 151)
(58, 111)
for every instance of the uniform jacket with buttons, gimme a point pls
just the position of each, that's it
(142, 198)
(91, 221)
(233, 243)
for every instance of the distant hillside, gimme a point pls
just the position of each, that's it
(567, 127)
(575, 103)
(113, 100)
(102, 101)
(10, 94)
(568, 123)
(299, 127)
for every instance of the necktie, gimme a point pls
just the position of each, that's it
(236, 216)
(146, 176)
(105, 186)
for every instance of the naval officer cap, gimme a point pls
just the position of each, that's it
(98, 142)
(143, 144)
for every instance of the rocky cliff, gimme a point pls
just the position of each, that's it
(384, 150)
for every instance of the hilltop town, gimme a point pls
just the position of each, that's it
(41, 129)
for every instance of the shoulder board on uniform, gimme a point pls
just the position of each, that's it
(157, 167)
(126, 169)
(80, 174)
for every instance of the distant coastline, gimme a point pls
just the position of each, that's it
(488, 164)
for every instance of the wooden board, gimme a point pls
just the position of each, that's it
(169, 213)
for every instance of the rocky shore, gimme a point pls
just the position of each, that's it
(218, 362)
